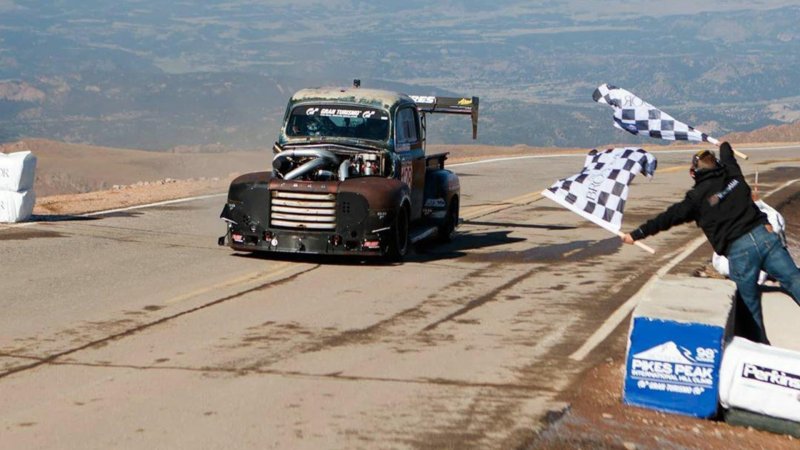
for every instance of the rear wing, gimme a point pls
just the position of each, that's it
(449, 105)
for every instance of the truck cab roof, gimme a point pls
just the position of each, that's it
(364, 117)
(376, 98)
(344, 116)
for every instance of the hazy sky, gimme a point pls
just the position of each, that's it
(585, 8)
(579, 8)
(6, 5)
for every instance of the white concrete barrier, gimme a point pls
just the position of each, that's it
(677, 335)
(17, 171)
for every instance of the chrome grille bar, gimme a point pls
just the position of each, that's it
(300, 210)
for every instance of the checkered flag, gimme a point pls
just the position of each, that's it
(636, 116)
(598, 193)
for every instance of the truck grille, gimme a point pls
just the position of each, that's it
(303, 211)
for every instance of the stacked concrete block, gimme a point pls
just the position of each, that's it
(677, 337)
(17, 174)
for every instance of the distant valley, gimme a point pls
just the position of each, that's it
(216, 75)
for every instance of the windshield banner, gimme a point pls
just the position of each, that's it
(349, 111)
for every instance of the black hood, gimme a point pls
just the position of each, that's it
(701, 175)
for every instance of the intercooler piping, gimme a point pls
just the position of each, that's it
(344, 169)
(323, 158)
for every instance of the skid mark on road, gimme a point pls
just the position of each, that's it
(400, 325)
(475, 289)
(100, 229)
(385, 329)
(134, 330)
(367, 334)
(553, 254)
(475, 212)
(208, 370)
(88, 331)
(149, 237)
(99, 225)
(480, 301)
(21, 234)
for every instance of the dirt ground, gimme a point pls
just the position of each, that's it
(597, 419)
(126, 196)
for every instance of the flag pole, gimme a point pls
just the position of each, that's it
(735, 152)
(641, 245)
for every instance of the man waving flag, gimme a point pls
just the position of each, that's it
(599, 192)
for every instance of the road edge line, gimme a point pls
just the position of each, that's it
(150, 205)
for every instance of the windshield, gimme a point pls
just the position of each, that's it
(338, 121)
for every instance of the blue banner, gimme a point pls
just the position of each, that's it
(674, 366)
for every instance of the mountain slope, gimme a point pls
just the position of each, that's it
(772, 133)
(74, 168)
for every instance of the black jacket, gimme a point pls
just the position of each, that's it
(720, 204)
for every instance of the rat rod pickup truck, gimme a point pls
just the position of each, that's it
(349, 177)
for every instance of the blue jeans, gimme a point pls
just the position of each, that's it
(761, 250)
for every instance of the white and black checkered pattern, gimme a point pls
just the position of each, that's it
(636, 116)
(600, 190)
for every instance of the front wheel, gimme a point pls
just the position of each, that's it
(399, 240)
(447, 230)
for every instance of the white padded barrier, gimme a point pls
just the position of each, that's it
(761, 379)
(17, 171)
(16, 206)
(17, 174)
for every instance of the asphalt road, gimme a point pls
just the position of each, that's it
(135, 330)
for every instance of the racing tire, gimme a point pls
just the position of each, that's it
(399, 241)
(447, 230)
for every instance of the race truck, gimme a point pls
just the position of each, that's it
(349, 177)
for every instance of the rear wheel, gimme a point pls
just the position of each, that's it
(447, 230)
(399, 241)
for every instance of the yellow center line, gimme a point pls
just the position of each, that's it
(274, 271)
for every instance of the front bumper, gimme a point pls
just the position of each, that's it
(338, 218)
(313, 243)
